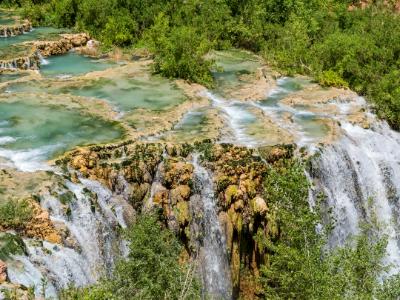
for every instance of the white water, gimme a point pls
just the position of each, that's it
(156, 185)
(360, 175)
(6, 140)
(237, 117)
(43, 61)
(91, 247)
(212, 253)
(27, 160)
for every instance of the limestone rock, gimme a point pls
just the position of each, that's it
(259, 206)
(231, 193)
(180, 193)
(3, 271)
(183, 213)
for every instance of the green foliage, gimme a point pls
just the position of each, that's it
(331, 78)
(357, 49)
(119, 30)
(14, 214)
(151, 271)
(386, 93)
(179, 51)
(10, 244)
(301, 265)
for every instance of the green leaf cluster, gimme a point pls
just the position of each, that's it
(14, 213)
(301, 263)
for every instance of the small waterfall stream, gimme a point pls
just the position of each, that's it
(42, 60)
(214, 263)
(360, 176)
(156, 185)
(90, 250)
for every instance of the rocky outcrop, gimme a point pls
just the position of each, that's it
(38, 226)
(7, 31)
(63, 45)
(30, 62)
(41, 226)
(128, 169)
(238, 173)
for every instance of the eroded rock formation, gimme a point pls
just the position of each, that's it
(62, 45)
(142, 174)
(30, 62)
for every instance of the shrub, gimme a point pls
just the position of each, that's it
(331, 78)
(14, 214)
(151, 270)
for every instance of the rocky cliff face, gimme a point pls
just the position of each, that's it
(162, 177)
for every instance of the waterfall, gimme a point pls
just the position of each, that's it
(91, 220)
(42, 60)
(215, 270)
(360, 176)
(156, 184)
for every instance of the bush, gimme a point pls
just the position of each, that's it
(11, 244)
(179, 51)
(119, 30)
(14, 214)
(151, 271)
(331, 78)
(301, 265)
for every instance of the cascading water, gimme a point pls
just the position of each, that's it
(237, 116)
(156, 184)
(360, 176)
(90, 250)
(42, 60)
(214, 263)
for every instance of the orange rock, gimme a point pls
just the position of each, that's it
(3, 271)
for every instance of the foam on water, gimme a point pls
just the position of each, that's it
(6, 139)
(29, 160)
(360, 175)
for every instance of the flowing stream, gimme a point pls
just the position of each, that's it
(214, 263)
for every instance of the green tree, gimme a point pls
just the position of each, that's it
(179, 51)
(301, 265)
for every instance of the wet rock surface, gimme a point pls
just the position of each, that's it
(237, 174)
